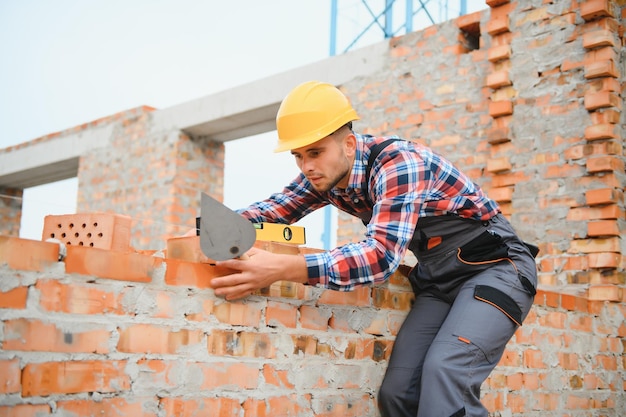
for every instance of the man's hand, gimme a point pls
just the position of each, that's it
(259, 270)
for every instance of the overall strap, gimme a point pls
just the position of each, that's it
(376, 149)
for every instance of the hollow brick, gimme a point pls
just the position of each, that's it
(97, 230)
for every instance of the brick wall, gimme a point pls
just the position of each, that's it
(527, 97)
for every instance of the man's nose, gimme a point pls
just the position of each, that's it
(307, 164)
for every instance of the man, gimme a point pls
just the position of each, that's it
(474, 281)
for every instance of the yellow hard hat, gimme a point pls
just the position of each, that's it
(310, 112)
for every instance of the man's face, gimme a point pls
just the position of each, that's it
(327, 163)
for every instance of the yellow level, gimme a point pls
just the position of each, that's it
(282, 233)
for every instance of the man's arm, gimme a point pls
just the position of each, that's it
(259, 270)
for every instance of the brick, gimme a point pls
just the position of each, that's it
(500, 108)
(599, 69)
(599, 38)
(605, 116)
(501, 194)
(25, 410)
(601, 99)
(97, 230)
(239, 313)
(497, 165)
(234, 343)
(603, 228)
(602, 131)
(109, 407)
(15, 298)
(605, 163)
(604, 196)
(499, 53)
(611, 244)
(77, 298)
(147, 338)
(278, 313)
(101, 263)
(73, 377)
(497, 25)
(191, 274)
(10, 376)
(28, 255)
(594, 9)
(600, 148)
(34, 335)
(312, 317)
(360, 297)
(604, 260)
(498, 79)
(383, 297)
(469, 22)
(192, 407)
(604, 293)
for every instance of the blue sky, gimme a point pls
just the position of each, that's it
(67, 62)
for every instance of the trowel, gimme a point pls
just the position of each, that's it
(224, 233)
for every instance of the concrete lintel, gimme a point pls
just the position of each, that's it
(49, 160)
(251, 108)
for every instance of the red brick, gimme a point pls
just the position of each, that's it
(604, 196)
(113, 265)
(109, 407)
(34, 335)
(26, 410)
(239, 313)
(497, 25)
(602, 131)
(598, 69)
(603, 228)
(316, 318)
(594, 9)
(499, 53)
(278, 313)
(360, 297)
(599, 38)
(78, 298)
(193, 407)
(605, 292)
(15, 298)
(604, 260)
(10, 378)
(72, 377)
(147, 338)
(601, 99)
(500, 108)
(29, 255)
(498, 79)
(605, 163)
(611, 244)
(496, 165)
(96, 230)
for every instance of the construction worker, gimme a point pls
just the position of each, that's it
(474, 281)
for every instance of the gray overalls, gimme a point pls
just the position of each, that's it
(474, 284)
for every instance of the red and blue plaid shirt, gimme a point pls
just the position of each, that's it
(407, 181)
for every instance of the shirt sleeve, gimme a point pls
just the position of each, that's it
(395, 191)
(287, 207)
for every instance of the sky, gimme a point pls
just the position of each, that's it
(67, 62)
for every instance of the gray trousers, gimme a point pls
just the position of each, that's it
(470, 299)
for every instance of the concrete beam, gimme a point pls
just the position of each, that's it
(231, 114)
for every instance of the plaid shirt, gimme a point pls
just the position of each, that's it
(407, 181)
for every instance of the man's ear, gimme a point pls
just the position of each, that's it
(349, 144)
